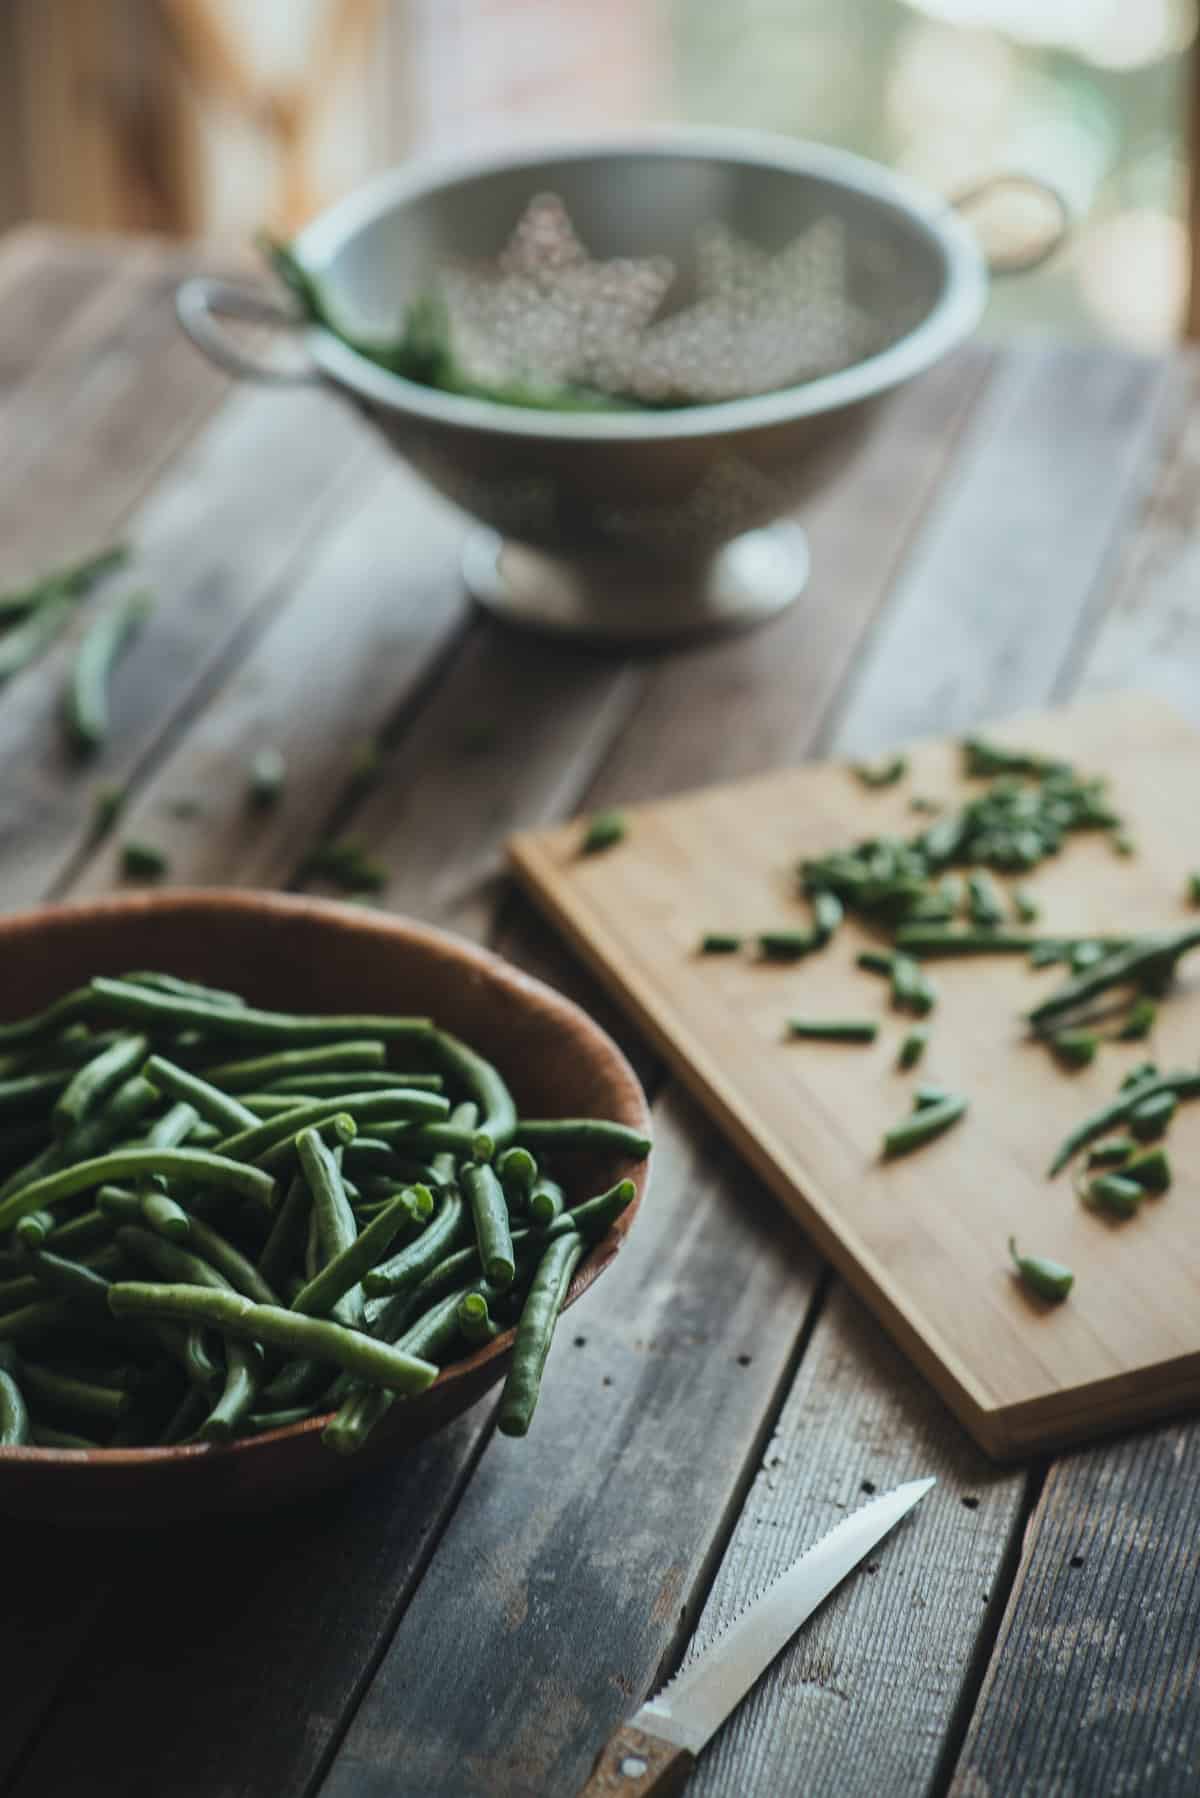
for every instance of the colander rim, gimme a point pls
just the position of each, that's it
(951, 318)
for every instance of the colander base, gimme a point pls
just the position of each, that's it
(606, 599)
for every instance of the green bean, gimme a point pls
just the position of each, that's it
(186, 1419)
(274, 1105)
(315, 1086)
(207, 1101)
(604, 829)
(485, 1196)
(283, 1245)
(910, 989)
(19, 1291)
(582, 1133)
(119, 1164)
(118, 1205)
(922, 1125)
(929, 939)
(85, 1398)
(1025, 907)
(259, 1423)
(984, 904)
(268, 772)
(72, 582)
(25, 642)
(175, 1012)
(33, 1229)
(41, 1318)
(333, 1217)
(1150, 1170)
(1074, 1048)
(102, 643)
(25, 1091)
(91, 1229)
(95, 1080)
(355, 1418)
(164, 1216)
(348, 865)
(438, 1139)
(518, 1171)
(347, 1268)
(243, 1371)
(143, 861)
(786, 945)
(1144, 1071)
(483, 1084)
(875, 961)
(535, 1331)
(881, 774)
(719, 942)
(912, 1048)
(1049, 1279)
(828, 913)
(833, 1030)
(45, 1436)
(113, 1123)
(262, 1071)
(361, 1356)
(1143, 1015)
(1120, 1111)
(65, 1010)
(1112, 1152)
(1113, 1193)
(14, 1413)
(475, 1323)
(227, 1260)
(72, 1279)
(408, 1268)
(545, 1202)
(1146, 958)
(399, 1103)
(1151, 1117)
(175, 986)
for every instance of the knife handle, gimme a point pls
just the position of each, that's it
(635, 1765)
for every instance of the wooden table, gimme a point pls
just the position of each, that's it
(1022, 525)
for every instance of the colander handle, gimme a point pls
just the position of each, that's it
(1022, 262)
(201, 304)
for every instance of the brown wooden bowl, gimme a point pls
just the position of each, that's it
(311, 955)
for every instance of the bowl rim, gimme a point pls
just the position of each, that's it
(954, 314)
(264, 904)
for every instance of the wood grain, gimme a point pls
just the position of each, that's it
(810, 1118)
(897, 1638)
(672, 1374)
(1095, 1686)
(987, 608)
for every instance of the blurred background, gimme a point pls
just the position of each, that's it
(213, 117)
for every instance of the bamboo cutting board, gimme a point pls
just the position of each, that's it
(923, 1239)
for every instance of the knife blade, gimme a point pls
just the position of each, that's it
(656, 1750)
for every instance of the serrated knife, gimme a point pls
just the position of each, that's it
(655, 1752)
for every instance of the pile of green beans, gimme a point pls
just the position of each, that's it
(217, 1220)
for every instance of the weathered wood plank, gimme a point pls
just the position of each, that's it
(377, 605)
(1095, 1683)
(274, 1623)
(569, 1573)
(1068, 1705)
(43, 283)
(984, 615)
(860, 1702)
(97, 419)
(214, 544)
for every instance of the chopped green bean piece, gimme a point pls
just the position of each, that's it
(924, 1096)
(930, 939)
(1115, 1194)
(1074, 1048)
(1139, 1023)
(882, 774)
(1110, 1153)
(922, 1125)
(604, 829)
(1151, 1117)
(143, 861)
(833, 1030)
(875, 961)
(348, 865)
(1048, 1279)
(912, 1048)
(107, 806)
(786, 945)
(1151, 1170)
(828, 913)
(1026, 909)
(101, 645)
(716, 942)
